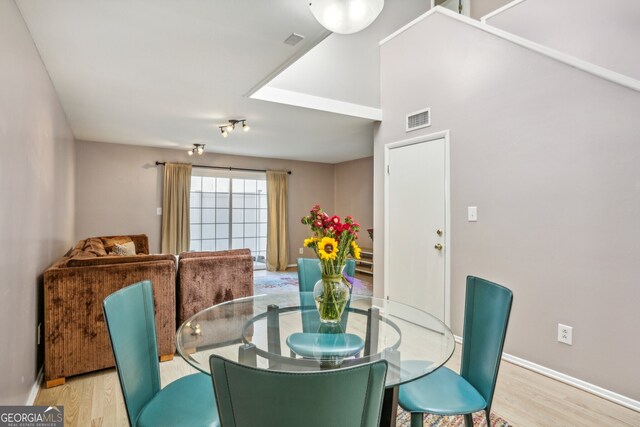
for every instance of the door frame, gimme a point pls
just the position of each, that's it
(447, 217)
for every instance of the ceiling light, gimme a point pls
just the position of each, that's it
(229, 127)
(197, 149)
(346, 16)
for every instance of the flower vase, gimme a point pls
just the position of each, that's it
(331, 294)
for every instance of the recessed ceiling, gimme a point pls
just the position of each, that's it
(166, 73)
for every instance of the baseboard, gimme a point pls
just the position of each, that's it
(35, 388)
(609, 395)
(292, 265)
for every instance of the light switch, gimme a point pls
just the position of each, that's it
(159, 211)
(472, 213)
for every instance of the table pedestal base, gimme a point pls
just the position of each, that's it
(389, 407)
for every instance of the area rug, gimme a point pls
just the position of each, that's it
(287, 281)
(404, 420)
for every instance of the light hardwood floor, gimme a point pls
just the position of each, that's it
(522, 397)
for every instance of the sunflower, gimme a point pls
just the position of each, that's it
(355, 250)
(328, 248)
(310, 242)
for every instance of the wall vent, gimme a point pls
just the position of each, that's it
(294, 39)
(419, 119)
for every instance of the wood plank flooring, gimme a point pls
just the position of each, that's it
(523, 397)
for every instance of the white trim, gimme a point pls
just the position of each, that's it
(571, 61)
(292, 265)
(35, 388)
(447, 190)
(609, 395)
(500, 10)
(283, 96)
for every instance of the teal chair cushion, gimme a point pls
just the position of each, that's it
(325, 345)
(442, 392)
(188, 401)
(250, 397)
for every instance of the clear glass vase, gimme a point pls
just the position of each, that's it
(331, 294)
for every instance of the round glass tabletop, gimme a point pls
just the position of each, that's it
(283, 332)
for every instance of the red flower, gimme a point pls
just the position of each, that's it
(335, 219)
(317, 224)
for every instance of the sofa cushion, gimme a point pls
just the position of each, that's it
(110, 241)
(128, 249)
(94, 246)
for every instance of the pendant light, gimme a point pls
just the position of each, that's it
(346, 16)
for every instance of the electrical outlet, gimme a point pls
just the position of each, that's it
(565, 334)
(159, 211)
(38, 333)
(301, 251)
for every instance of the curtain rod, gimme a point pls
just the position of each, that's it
(222, 167)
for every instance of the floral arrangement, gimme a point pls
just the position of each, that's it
(332, 240)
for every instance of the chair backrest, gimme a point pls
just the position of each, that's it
(132, 330)
(486, 316)
(248, 397)
(309, 272)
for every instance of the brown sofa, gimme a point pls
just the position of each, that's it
(209, 278)
(76, 339)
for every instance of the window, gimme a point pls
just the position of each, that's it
(229, 211)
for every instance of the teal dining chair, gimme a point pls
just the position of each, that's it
(443, 392)
(188, 401)
(249, 397)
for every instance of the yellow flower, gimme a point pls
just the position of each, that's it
(355, 250)
(310, 242)
(328, 248)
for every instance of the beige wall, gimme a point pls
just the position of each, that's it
(37, 188)
(354, 194)
(119, 189)
(549, 155)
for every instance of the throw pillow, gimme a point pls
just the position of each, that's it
(128, 248)
(110, 242)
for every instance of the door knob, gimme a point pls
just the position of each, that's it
(439, 232)
(438, 246)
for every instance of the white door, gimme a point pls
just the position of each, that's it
(416, 268)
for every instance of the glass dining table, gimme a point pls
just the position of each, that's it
(283, 332)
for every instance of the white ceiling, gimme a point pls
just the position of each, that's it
(165, 73)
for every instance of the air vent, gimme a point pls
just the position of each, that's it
(294, 39)
(419, 119)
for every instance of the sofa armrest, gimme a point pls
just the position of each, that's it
(206, 281)
(76, 339)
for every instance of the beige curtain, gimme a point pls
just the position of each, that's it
(277, 235)
(175, 208)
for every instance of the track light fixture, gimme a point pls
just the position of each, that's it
(230, 127)
(197, 149)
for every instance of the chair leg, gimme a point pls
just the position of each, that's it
(416, 419)
(487, 413)
(468, 420)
